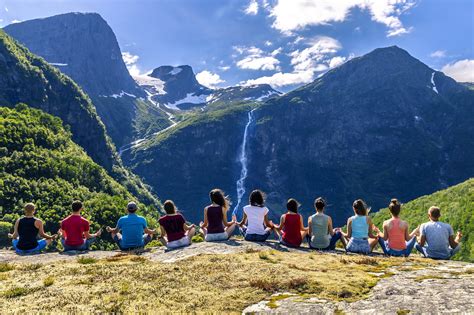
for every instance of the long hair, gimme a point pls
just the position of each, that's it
(360, 207)
(218, 197)
(257, 198)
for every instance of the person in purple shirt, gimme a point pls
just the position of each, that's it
(215, 226)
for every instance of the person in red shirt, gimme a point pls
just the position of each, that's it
(75, 230)
(291, 223)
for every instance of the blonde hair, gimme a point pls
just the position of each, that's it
(30, 207)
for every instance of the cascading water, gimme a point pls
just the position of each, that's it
(243, 162)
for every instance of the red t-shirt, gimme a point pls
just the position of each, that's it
(74, 227)
(292, 229)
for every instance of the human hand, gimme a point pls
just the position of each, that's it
(10, 235)
(108, 229)
(98, 233)
(234, 218)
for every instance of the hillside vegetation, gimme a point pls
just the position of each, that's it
(40, 163)
(457, 206)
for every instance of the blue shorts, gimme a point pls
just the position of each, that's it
(254, 237)
(358, 245)
(41, 245)
(119, 241)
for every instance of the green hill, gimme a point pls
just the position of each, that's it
(457, 206)
(40, 163)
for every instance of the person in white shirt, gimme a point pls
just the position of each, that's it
(255, 225)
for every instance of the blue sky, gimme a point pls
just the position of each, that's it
(282, 42)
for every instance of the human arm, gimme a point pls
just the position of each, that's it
(302, 227)
(244, 220)
(114, 230)
(204, 224)
(14, 235)
(454, 242)
(39, 225)
(310, 229)
(162, 232)
(415, 232)
(349, 229)
(224, 218)
(279, 227)
(330, 228)
(371, 228)
(268, 223)
(187, 227)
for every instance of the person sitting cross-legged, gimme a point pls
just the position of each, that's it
(395, 239)
(215, 226)
(291, 224)
(322, 235)
(359, 230)
(438, 237)
(174, 230)
(26, 231)
(75, 230)
(132, 231)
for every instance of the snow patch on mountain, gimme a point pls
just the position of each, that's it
(190, 98)
(147, 82)
(58, 64)
(121, 94)
(175, 71)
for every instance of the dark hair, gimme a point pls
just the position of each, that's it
(435, 212)
(319, 203)
(395, 207)
(292, 205)
(76, 205)
(169, 207)
(360, 207)
(217, 196)
(257, 198)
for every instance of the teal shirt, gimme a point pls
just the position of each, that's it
(319, 231)
(360, 228)
(132, 226)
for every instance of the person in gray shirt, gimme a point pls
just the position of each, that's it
(438, 237)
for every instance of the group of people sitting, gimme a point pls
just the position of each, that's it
(433, 239)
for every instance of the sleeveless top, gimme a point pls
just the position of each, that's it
(396, 236)
(319, 230)
(28, 233)
(360, 228)
(214, 220)
(292, 229)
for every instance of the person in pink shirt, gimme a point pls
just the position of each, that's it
(395, 239)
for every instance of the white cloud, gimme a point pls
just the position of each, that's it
(292, 15)
(252, 8)
(336, 61)
(277, 51)
(307, 58)
(268, 43)
(224, 68)
(438, 54)
(257, 59)
(6, 9)
(280, 79)
(209, 79)
(131, 63)
(461, 71)
(16, 21)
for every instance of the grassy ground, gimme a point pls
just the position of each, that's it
(205, 283)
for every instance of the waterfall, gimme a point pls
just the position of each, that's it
(243, 162)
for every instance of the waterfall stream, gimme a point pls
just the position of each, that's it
(243, 162)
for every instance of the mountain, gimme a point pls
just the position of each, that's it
(29, 79)
(379, 126)
(40, 163)
(84, 47)
(176, 88)
(456, 204)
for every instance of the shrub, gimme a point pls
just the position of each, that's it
(198, 238)
(5, 228)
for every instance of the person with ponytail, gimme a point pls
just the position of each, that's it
(322, 235)
(215, 226)
(255, 225)
(359, 230)
(395, 239)
(292, 226)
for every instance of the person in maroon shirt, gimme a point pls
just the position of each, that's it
(174, 230)
(75, 230)
(215, 226)
(291, 223)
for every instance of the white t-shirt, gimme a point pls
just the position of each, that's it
(255, 219)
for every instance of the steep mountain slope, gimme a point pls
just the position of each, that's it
(84, 47)
(40, 163)
(176, 88)
(379, 126)
(29, 79)
(456, 205)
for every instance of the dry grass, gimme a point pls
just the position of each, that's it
(204, 283)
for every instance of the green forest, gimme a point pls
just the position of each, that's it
(40, 163)
(456, 204)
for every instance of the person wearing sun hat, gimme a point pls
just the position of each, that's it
(131, 231)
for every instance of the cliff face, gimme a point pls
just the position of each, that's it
(382, 125)
(84, 47)
(26, 78)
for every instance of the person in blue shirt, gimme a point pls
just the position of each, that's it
(131, 231)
